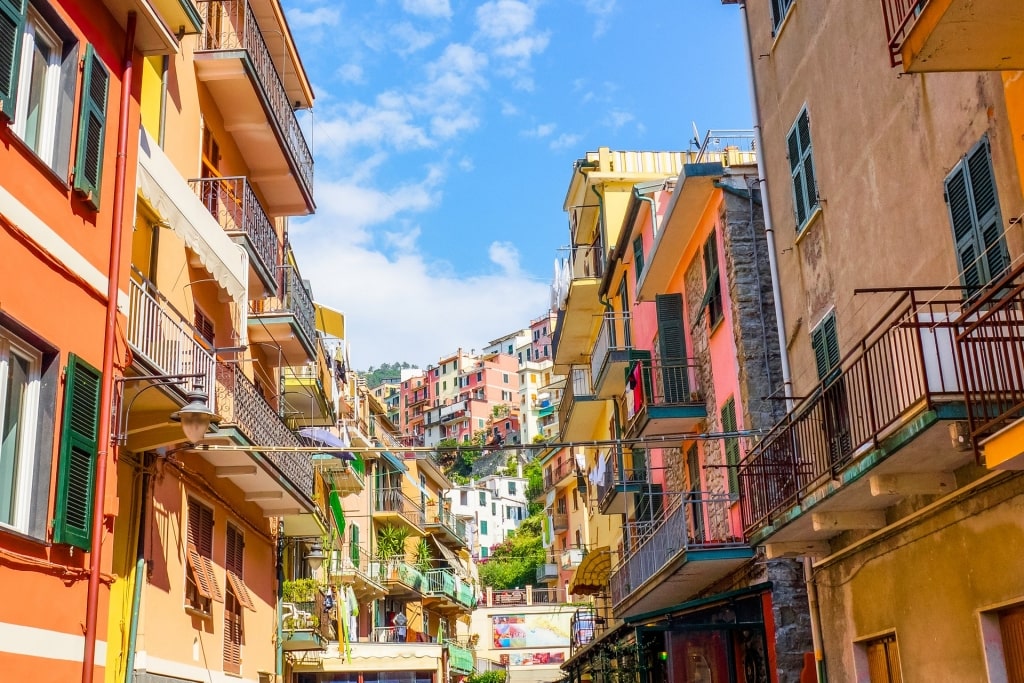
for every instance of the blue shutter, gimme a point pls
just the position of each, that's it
(801, 168)
(79, 440)
(12, 28)
(638, 256)
(973, 205)
(672, 347)
(92, 125)
(986, 209)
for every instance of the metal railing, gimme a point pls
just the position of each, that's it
(617, 475)
(731, 147)
(661, 383)
(240, 404)
(583, 627)
(440, 582)
(394, 500)
(397, 570)
(560, 521)
(548, 596)
(577, 385)
(231, 25)
(545, 571)
(294, 299)
(990, 350)
(571, 557)
(510, 596)
(903, 365)
(163, 338)
(587, 262)
(309, 616)
(611, 337)
(563, 467)
(441, 515)
(900, 16)
(697, 520)
(232, 202)
(381, 433)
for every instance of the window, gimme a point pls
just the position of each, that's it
(479, 377)
(494, 508)
(353, 544)
(547, 351)
(483, 526)
(536, 335)
(835, 404)
(38, 71)
(483, 499)
(200, 582)
(672, 347)
(801, 166)
(779, 10)
(511, 488)
(463, 497)
(19, 388)
(974, 215)
(883, 660)
(575, 499)
(825, 343)
(638, 257)
(504, 377)
(236, 598)
(483, 552)
(712, 301)
(732, 446)
(204, 326)
(510, 349)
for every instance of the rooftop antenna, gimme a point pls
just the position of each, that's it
(696, 135)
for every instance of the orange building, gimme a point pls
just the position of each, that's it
(62, 70)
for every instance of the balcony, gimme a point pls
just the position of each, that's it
(439, 589)
(401, 579)
(560, 522)
(663, 399)
(547, 571)
(233, 60)
(348, 476)
(877, 430)
(460, 658)
(562, 471)
(445, 526)
(620, 476)
(392, 506)
(355, 567)
(571, 558)
(308, 392)
(287, 322)
(576, 320)
(612, 355)
(281, 483)
(584, 625)
(955, 35)
(673, 559)
(163, 342)
(306, 626)
(580, 409)
(233, 204)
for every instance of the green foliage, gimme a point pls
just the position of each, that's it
(513, 563)
(539, 438)
(423, 559)
(486, 677)
(376, 376)
(458, 464)
(500, 410)
(299, 590)
(391, 541)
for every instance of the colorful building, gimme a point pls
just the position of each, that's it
(892, 150)
(492, 506)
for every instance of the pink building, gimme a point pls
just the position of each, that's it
(541, 330)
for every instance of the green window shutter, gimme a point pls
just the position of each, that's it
(732, 445)
(826, 347)
(801, 167)
(974, 216)
(672, 346)
(353, 544)
(78, 446)
(12, 28)
(91, 127)
(964, 231)
(483, 526)
(638, 256)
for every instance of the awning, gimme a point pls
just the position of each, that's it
(337, 513)
(330, 321)
(163, 188)
(591, 576)
(449, 557)
(328, 439)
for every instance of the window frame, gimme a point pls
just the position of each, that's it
(804, 187)
(779, 10)
(198, 598)
(28, 427)
(35, 27)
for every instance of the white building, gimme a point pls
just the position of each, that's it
(492, 506)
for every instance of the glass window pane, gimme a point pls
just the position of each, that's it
(17, 371)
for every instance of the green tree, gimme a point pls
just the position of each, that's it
(487, 677)
(457, 457)
(534, 486)
(513, 563)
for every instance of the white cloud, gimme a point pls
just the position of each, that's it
(541, 131)
(504, 19)
(350, 73)
(618, 118)
(300, 19)
(507, 28)
(602, 11)
(428, 8)
(506, 256)
(387, 122)
(411, 39)
(565, 141)
(466, 164)
(509, 109)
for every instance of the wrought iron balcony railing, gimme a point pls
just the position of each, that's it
(619, 477)
(563, 467)
(239, 404)
(900, 16)
(905, 364)
(394, 500)
(230, 25)
(693, 521)
(232, 202)
(611, 337)
(440, 582)
(441, 515)
(661, 384)
(571, 557)
(578, 385)
(294, 299)
(162, 337)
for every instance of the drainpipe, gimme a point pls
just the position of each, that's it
(279, 643)
(107, 448)
(787, 377)
(140, 573)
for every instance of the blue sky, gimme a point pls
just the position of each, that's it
(444, 133)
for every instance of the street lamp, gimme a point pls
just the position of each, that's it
(315, 557)
(196, 417)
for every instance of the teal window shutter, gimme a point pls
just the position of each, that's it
(12, 28)
(353, 543)
(801, 167)
(638, 257)
(92, 125)
(825, 343)
(974, 216)
(732, 446)
(672, 347)
(79, 442)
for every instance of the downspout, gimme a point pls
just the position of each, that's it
(140, 573)
(787, 377)
(107, 448)
(279, 643)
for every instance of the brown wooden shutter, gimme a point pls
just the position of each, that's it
(233, 564)
(1011, 627)
(232, 635)
(200, 540)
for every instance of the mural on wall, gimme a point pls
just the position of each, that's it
(531, 630)
(531, 658)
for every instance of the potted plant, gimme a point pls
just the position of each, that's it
(390, 547)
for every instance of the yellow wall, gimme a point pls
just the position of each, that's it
(152, 89)
(1013, 82)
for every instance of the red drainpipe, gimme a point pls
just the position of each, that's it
(106, 446)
